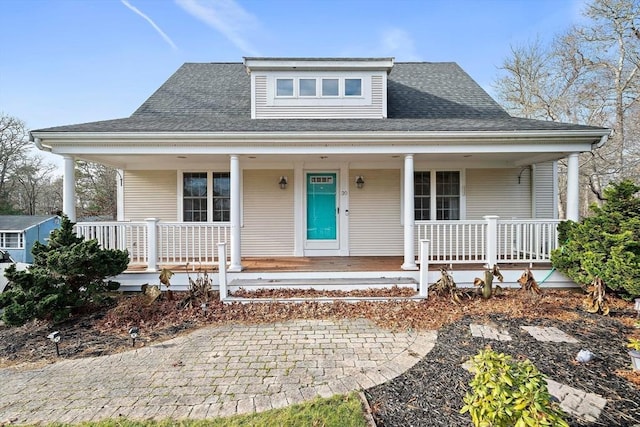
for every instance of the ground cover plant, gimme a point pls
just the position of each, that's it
(505, 393)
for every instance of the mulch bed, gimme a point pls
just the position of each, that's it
(431, 393)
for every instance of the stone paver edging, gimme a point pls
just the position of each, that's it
(215, 371)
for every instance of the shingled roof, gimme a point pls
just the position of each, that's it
(22, 222)
(215, 97)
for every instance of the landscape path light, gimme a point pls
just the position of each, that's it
(133, 333)
(55, 338)
(637, 307)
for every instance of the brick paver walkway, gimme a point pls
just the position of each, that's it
(214, 371)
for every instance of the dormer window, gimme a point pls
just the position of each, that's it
(330, 87)
(284, 87)
(352, 87)
(308, 87)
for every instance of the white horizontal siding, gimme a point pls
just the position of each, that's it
(260, 91)
(498, 192)
(374, 213)
(268, 220)
(320, 112)
(150, 194)
(544, 185)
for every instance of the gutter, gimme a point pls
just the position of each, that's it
(366, 137)
(38, 143)
(603, 140)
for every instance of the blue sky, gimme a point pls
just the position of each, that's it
(74, 61)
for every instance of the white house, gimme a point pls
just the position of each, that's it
(327, 157)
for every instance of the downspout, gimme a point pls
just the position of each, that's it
(602, 141)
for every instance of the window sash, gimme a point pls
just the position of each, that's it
(194, 197)
(221, 196)
(307, 87)
(284, 87)
(352, 87)
(422, 195)
(447, 195)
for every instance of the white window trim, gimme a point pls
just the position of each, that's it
(294, 83)
(330, 96)
(180, 202)
(3, 240)
(432, 201)
(344, 91)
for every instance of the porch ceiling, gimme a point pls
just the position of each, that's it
(187, 161)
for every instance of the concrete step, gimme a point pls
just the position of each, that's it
(343, 284)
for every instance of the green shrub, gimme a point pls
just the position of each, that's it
(507, 393)
(606, 244)
(68, 273)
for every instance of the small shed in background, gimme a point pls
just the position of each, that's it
(18, 233)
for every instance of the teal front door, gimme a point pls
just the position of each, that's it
(322, 212)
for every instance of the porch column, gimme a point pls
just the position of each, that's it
(234, 169)
(69, 188)
(409, 216)
(573, 187)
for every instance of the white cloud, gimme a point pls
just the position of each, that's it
(398, 43)
(150, 21)
(226, 17)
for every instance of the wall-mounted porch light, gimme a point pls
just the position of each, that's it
(283, 182)
(359, 181)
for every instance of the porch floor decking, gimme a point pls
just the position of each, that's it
(332, 264)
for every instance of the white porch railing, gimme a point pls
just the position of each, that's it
(152, 242)
(455, 242)
(489, 241)
(131, 236)
(526, 240)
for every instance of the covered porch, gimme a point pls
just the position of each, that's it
(501, 209)
(156, 241)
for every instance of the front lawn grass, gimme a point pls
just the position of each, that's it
(337, 411)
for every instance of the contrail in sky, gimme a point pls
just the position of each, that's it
(150, 21)
(226, 17)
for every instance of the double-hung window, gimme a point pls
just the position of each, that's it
(437, 195)
(205, 196)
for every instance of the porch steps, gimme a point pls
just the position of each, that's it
(338, 284)
(342, 284)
